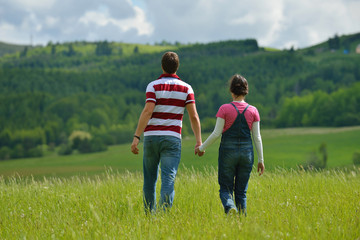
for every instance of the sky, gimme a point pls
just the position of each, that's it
(276, 23)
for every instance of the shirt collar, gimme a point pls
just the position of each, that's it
(169, 75)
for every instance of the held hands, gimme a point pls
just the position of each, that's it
(197, 151)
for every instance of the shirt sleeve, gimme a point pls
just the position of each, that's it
(219, 126)
(190, 97)
(256, 115)
(221, 112)
(150, 93)
(257, 141)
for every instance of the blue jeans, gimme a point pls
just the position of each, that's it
(166, 152)
(235, 165)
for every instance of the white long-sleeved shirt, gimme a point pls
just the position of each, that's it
(219, 126)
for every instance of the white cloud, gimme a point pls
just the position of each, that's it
(33, 4)
(102, 19)
(68, 20)
(51, 21)
(276, 23)
(138, 22)
(97, 18)
(32, 22)
(247, 19)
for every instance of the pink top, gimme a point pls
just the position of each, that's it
(229, 114)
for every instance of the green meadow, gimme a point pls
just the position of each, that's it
(282, 204)
(99, 196)
(283, 148)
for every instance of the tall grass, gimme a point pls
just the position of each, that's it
(282, 204)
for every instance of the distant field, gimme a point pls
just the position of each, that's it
(283, 148)
(88, 49)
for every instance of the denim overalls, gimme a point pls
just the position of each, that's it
(236, 158)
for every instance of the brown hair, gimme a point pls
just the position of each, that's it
(170, 62)
(238, 85)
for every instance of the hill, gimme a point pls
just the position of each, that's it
(6, 48)
(345, 42)
(47, 93)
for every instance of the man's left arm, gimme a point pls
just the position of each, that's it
(195, 122)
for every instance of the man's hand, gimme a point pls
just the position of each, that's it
(261, 168)
(198, 152)
(134, 148)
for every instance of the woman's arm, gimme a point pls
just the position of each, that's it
(219, 126)
(258, 146)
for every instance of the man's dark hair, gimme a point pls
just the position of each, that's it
(238, 85)
(170, 62)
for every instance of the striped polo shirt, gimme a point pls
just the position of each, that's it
(170, 95)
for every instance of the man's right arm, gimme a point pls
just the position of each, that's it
(142, 123)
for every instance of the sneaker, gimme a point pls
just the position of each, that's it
(232, 211)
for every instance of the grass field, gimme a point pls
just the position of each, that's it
(284, 148)
(282, 204)
(99, 196)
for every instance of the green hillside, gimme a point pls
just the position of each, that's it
(345, 42)
(47, 93)
(6, 48)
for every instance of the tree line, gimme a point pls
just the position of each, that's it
(44, 98)
(335, 109)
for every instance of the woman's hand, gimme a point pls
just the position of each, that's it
(261, 168)
(198, 152)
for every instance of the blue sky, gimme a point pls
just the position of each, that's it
(139, 3)
(275, 23)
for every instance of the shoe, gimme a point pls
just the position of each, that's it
(232, 212)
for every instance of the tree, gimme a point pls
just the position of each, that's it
(5, 153)
(77, 137)
(71, 51)
(5, 138)
(317, 159)
(91, 145)
(136, 49)
(103, 49)
(356, 158)
(334, 43)
(53, 49)
(65, 149)
(24, 52)
(120, 51)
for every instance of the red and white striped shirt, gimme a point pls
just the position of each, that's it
(170, 95)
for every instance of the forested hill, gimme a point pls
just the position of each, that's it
(98, 88)
(6, 48)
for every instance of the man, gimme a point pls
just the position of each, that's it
(161, 122)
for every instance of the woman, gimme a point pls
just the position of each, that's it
(236, 122)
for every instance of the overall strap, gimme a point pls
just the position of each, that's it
(245, 109)
(238, 109)
(235, 108)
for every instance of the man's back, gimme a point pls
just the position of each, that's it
(161, 122)
(170, 95)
